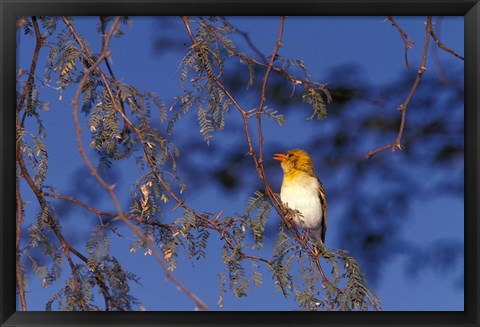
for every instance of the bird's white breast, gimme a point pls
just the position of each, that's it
(302, 195)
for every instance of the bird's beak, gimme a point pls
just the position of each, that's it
(279, 157)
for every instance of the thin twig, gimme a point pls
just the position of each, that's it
(247, 39)
(76, 284)
(263, 96)
(81, 204)
(403, 107)
(407, 41)
(442, 77)
(108, 214)
(242, 111)
(103, 24)
(443, 47)
(293, 79)
(31, 74)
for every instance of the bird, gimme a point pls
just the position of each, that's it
(302, 190)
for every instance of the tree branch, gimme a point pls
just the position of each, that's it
(293, 79)
(438, 64)
(110, 189)
(263, 97)
(443, 47)
(259, 165)
(66, 248)
(54, 227)
(207, 223)
(38, 193)
(31, 74)
(108, 214)
(18, 268)
(403, 107)
(407, 41)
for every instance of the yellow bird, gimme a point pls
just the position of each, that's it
(303, 191)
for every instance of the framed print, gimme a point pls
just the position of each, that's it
(226, 163)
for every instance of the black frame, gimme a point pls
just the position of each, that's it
(11, 8)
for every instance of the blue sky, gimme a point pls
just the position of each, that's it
(322, 43)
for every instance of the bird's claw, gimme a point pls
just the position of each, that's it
(288, 219)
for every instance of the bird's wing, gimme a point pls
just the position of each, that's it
(323, 203)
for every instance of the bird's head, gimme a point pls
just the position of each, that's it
(295, 160)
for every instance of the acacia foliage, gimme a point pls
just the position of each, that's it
(118, 118)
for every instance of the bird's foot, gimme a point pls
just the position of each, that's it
(289, 219)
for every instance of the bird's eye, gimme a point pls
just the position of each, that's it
(288, 155)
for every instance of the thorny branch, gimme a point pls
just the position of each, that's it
(18, 268)
(103, 24)
(31, 74)
(443, 47)
(263, 98)
(407, 41)
(26, 90)
(67, 248)
(438, 65)
(53, 225)
(205, 221)
(109, 188)
(100, 213)
(293, 79)
(403, 107)
(76, 284)
(247, 38)
(258, 159)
